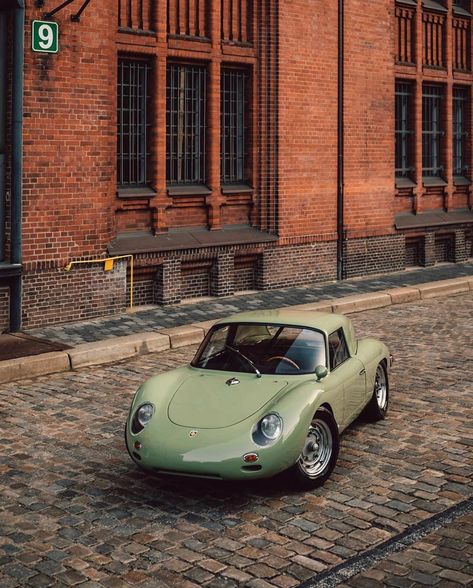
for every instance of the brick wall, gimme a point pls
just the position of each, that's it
(51, 296)
(369, 119)
(71, 209)
(70, 137)
(300, 264)
(374, 255)
(307, 182)
(4, 309)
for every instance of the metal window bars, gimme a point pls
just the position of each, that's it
(403, 129)
(460, 134)
(432, 131)
(232, 113)
(132, 117)
(186, 124)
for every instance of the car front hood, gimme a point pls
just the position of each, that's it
(211, 401)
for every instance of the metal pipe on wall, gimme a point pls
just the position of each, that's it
(340, 142)
(17, 160)
(3, 118)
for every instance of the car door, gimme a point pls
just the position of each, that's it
(350, 374)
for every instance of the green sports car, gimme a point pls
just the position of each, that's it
(267, 392)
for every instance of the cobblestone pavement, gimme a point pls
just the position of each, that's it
(443, 558)
(76, 510)
(183, 314)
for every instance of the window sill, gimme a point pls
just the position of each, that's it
(139, 192)
(237, 189)
(189, 190)
(461, 181)
(405, 183)
(433, 182)
(432, 5)
(191, 38)
(459, 11)
(139, 32)
(407, 2)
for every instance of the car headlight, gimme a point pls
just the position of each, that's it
(271, 426)
(142, 417)
(268, 429)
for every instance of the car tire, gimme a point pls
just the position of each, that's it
(378, 405)
(319, 454)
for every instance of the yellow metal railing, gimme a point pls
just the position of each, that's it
(107, 266)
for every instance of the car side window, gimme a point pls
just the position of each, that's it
(338, 348)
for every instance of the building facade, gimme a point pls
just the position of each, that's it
(229, 145)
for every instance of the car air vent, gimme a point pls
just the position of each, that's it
(252, 468)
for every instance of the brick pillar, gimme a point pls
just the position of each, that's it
(168, 282)
(214, 201)
(429, 249)
(419, 56)
(222, 275)
(448, 113)
(161, 201)
(460, 253)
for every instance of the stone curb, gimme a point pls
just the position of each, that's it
(31, 366)
(119, 348)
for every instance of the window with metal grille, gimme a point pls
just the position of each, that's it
(132, 116)
(403, 129)
(186, 124)
(432, 131)
(233, 132)
(460, 125)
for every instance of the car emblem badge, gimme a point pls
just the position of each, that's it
(232, 382)
(193, 433)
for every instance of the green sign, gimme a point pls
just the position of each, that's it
(45, 36)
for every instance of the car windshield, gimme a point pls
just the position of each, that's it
(262, 348)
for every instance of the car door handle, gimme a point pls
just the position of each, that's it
(363, 371)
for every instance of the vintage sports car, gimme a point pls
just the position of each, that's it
(267, 392)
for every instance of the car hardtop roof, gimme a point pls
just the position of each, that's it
(323, 321)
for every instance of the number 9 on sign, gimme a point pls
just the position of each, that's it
(44, 37)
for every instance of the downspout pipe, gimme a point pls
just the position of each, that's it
(3, 119)
(17, 160)
(340, 142)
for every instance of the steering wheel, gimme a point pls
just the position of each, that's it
(281, 357)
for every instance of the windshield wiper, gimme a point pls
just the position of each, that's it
(240, 354)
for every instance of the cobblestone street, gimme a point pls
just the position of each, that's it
(76, 510)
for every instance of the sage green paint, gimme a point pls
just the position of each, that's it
(203, 427)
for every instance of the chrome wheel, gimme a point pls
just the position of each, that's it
(317, 452)
(380, 388)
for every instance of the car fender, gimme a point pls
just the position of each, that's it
(371, 353)
(158, 390)
(297, 408)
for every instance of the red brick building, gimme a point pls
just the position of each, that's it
(229, 145)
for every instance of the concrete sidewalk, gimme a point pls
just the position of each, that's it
(120, 337)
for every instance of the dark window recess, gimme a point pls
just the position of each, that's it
(404, 129)
(444, 249)
(233, 131)
(460, 133)
(338, 349)
(133, 122)
(414, 252)
(195, 280)
(432, 130)
(185, 124)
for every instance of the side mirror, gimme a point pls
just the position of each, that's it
(320, 372)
